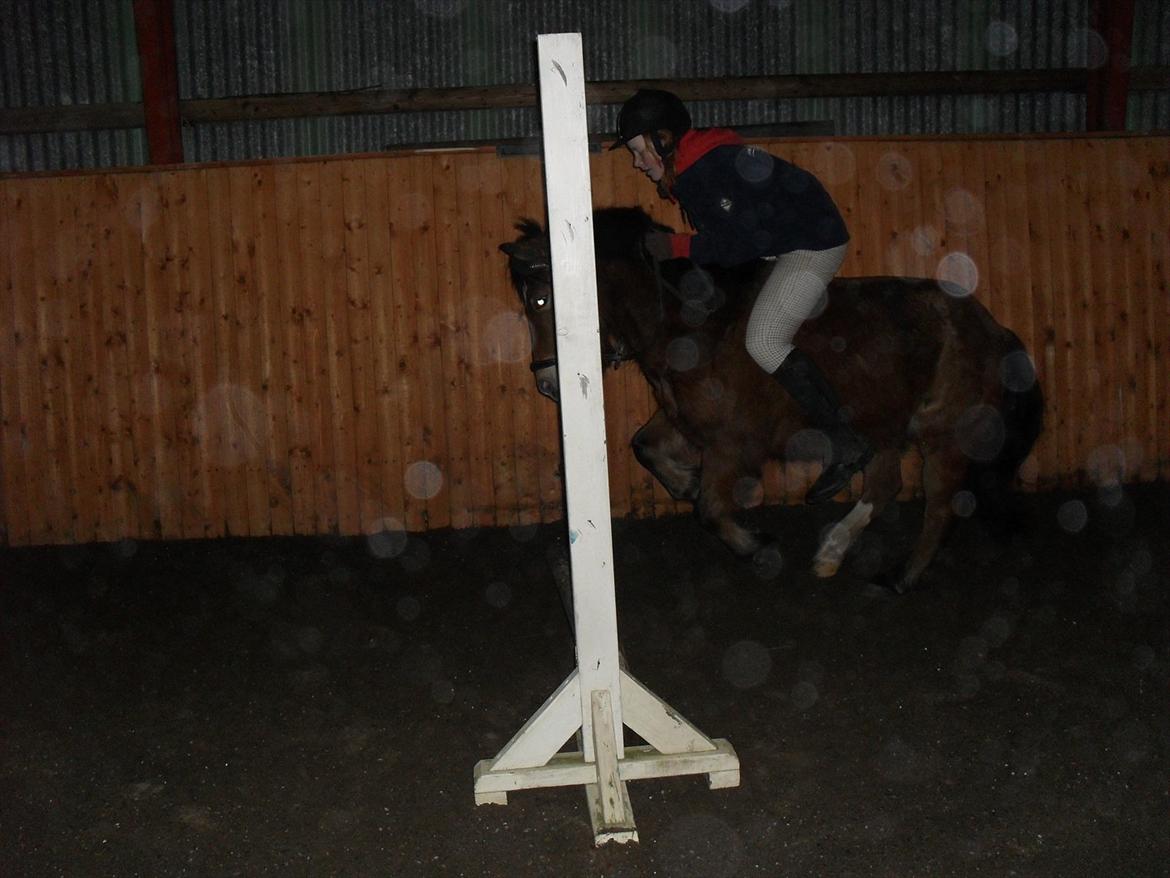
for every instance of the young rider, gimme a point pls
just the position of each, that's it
(744, 204)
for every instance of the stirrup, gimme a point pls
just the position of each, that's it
(835, 478)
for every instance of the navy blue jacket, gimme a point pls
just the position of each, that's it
(746, 203)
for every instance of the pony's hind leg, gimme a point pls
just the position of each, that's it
(883, 480)
(943, 472)
(669, 456)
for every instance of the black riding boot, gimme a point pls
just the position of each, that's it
(807, 385)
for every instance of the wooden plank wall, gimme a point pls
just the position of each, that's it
(331, 346)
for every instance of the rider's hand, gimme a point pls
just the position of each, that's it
(657, 244)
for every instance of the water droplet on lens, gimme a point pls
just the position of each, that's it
(894, 171)
(408, 608)
(804, 695)
(748, 492)
(996, 630)
(835, 163)
(808, 444)
(682, 354)
(310, 639)
(1017, 372)
(498, 594)
(963, 504)
(443, 691)
(1001, 38)
(385, 545)
(1087, 48)
(924, 240)
(523, 533)
(423, 479)
(971, 653)
(962, 209)
(1141, 561)
(754, 165)
(957, 275)
(768, 562)
(1073, 515)
(416, 557)
(746, 664)
(980, 432)
(1106, 466)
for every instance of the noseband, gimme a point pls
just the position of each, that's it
(616, 355)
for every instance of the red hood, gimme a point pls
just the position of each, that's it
(696, 143)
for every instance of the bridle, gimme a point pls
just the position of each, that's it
(526, 270)
(616, 354)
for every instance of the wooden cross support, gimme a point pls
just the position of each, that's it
(599, 697)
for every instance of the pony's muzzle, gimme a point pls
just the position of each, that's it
(548, 383)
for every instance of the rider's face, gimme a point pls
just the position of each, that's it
(646, 159)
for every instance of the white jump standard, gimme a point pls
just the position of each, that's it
(599, 697)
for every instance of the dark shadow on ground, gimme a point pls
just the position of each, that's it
(315, 706)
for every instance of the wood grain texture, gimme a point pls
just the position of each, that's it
(333, 346)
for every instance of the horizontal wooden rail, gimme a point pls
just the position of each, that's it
(84, 117)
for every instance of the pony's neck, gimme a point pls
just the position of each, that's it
(632, 308)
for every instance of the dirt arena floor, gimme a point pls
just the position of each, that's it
(316, 706)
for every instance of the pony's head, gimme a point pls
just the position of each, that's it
(625, 276)
(530, 264)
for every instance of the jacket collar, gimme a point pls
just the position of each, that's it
(697, 142)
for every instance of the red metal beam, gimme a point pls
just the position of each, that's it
(1108, 89)
(155, 23)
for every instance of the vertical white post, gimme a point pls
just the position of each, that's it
(570, 224)
(590, 700)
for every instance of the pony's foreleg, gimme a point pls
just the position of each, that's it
(883, 480)
(672, 459)
(715, 506)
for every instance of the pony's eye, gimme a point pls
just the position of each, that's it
(539, 302)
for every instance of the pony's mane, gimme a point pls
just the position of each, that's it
(617, 231)
(529, 228)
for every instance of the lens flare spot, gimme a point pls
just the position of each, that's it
(423, 479)
(957, 274)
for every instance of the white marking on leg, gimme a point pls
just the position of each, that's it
(839, 538)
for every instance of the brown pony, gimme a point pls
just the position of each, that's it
(913, 360)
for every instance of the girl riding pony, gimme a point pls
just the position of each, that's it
(746, 204)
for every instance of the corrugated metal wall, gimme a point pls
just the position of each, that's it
(80, 51)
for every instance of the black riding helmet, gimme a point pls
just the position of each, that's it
(649, 110)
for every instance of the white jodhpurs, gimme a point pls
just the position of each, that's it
(789, 296)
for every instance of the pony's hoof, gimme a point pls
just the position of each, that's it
(767, 561)
(895, 582)
(824, 569)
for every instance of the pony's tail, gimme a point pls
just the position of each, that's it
(991, 481)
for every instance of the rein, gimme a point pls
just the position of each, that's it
(622, 352)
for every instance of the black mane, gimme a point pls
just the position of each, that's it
(529, 228)
(617, 231)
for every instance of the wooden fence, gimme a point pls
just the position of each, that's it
(331, 346)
